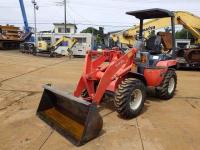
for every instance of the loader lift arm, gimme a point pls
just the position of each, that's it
(119, 64)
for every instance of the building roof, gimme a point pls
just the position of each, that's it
(55, 24)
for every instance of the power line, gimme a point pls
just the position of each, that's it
(85, 24)
(73, 21)
(80, 15)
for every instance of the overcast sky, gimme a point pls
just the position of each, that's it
(108, 13)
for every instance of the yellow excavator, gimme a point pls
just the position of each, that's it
(61, 47)
(187, 19)
(189, 57)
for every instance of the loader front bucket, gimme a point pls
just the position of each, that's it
(74, 118)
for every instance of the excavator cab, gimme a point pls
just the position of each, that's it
(152, 47)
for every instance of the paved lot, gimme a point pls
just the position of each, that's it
(163, 125)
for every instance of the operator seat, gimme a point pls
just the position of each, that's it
(166, 38)
(153, 45)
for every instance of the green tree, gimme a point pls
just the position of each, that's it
(98, 33)
(90, 30)
(184, 34)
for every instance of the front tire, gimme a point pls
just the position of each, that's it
(130, 97)
(168, 87)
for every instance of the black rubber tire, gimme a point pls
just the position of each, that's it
(34, 52)
(52, 54)
(162, 92)
(123, 97)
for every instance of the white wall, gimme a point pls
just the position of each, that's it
(72, 29)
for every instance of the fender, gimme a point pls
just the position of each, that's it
(154, 76)
(137, 76)
(167, 63)
(114, 84)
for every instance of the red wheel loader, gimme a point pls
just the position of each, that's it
(125, 75)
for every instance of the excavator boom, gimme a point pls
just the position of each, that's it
(54, 48)
(194, 31)
(188, 20)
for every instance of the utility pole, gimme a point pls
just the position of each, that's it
(35, 31)
(65, 11)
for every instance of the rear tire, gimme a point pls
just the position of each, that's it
(130, 97)
(168, 86)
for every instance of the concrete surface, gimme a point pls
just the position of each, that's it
(163, 125)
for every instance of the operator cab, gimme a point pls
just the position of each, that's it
(153, 47)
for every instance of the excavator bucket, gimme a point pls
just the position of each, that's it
(76, 119)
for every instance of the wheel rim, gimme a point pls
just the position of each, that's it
(136, 99)
(171, 85)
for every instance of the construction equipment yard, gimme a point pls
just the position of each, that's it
(163, 125)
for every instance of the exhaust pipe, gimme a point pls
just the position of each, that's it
(76, 119)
